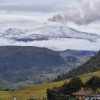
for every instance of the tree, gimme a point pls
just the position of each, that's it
(76, 84)
(93, 83)
(65, 88)
(63, 92)
(73, 86)
(51, 94)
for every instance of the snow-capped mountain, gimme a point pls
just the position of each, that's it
(47, 33)
(55, 37)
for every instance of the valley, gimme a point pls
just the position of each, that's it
(92, 65)
(25, 65)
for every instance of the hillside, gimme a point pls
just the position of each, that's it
(25, 65)
(76, 58)
(91, 65)
(29, 65)
(76, 53)
(33, 56)
(39, 91)
(74, 62)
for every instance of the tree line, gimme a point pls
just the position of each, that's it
(74, 85)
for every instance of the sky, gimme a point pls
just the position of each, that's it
(82, 15)
(27, 13)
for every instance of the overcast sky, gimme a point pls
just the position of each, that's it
(30, 12)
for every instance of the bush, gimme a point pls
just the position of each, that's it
(62, 93)
(93, 83)
(73, 86)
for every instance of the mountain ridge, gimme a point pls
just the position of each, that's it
(47, 33)
(92, 65)
(77, 53)
(29, 65)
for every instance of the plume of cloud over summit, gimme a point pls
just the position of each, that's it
(86, 14)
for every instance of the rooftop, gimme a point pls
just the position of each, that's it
(86, 93)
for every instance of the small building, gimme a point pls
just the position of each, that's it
(86, 94)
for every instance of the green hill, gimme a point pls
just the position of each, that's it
(26, 65)
(74, 62)
(91, 65)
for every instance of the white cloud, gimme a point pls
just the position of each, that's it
(59, 44)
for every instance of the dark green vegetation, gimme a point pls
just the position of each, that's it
(22, 66)
(28, 65)
(63, 92)
(91, 65)
(93, 83)
(74, 85)
(25, 57)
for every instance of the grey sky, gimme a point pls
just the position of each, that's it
(16, 12)
(42, 6)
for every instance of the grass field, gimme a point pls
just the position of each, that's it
(39, 91)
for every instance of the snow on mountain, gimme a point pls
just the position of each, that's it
(54, 37)
(12, 32)
(47, 33)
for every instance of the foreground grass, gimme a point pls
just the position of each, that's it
(36, 91)
(86, 77)
(39, 91)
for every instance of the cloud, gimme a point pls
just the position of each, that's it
(58, 44)
(84, 15)
(27, 8)
(39, 6)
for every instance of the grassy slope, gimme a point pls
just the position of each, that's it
(39, 91)
(86, 77)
